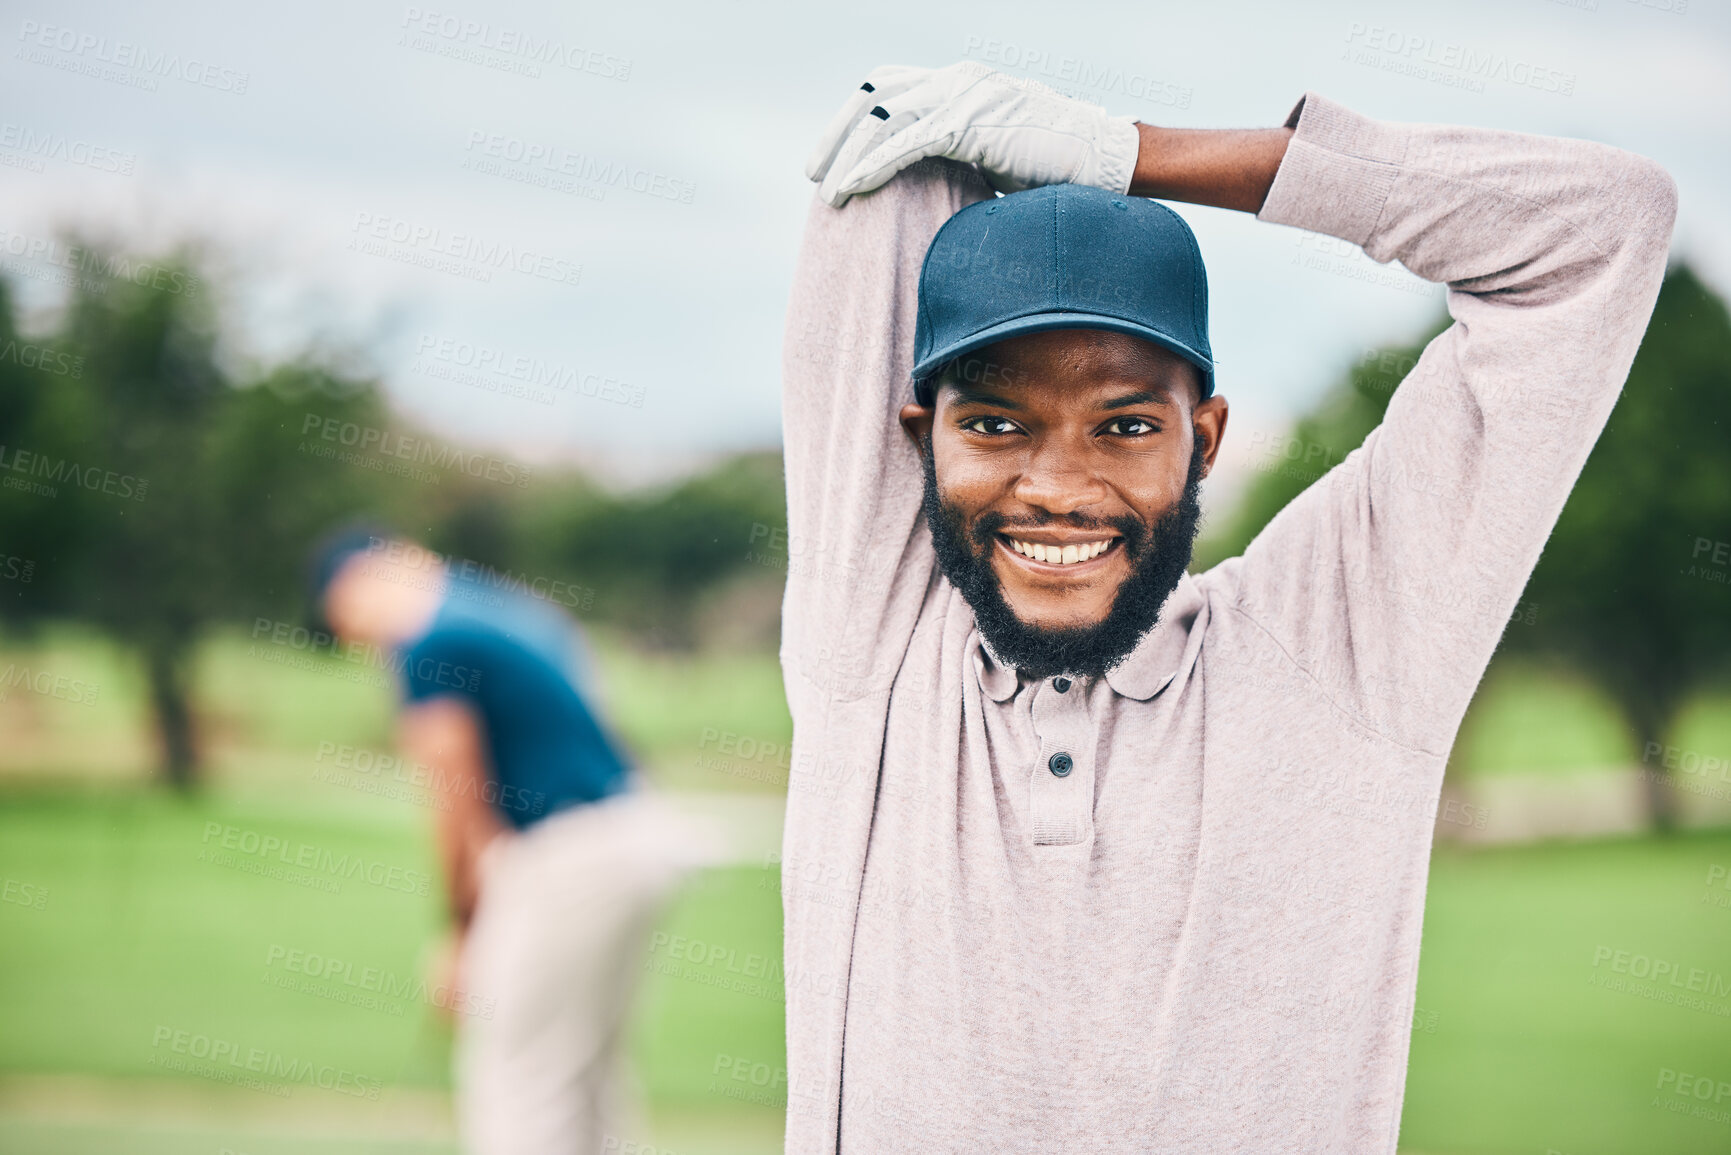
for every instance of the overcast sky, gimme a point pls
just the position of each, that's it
(301, 138)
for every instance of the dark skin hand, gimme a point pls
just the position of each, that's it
(1058, 431)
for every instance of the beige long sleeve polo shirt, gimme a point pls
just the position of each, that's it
(1202, 935)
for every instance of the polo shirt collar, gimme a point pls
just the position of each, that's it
(1141, 675)
(998, 680)
(1156, 658)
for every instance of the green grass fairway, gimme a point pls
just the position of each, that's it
(1524, 1053)
(149, 924)
(1517, 1051)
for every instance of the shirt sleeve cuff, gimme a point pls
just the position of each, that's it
(1338, 170)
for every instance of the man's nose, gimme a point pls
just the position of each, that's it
(1060, 481)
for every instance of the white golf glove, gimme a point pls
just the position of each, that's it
(1020, 133)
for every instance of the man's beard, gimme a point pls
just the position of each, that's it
(1157, 563)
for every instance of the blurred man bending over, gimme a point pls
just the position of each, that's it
(557, 858)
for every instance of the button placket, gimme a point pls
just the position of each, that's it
(1061, 781)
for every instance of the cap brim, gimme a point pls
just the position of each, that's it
(1045, 322)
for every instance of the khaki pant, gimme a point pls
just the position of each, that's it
(557, 945)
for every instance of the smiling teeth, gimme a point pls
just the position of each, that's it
(1055, 555)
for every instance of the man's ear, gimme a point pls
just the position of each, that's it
(1208, 425)
(917, 424)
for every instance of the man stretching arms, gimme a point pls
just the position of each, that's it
(1084, 853)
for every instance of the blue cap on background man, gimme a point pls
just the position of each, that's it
(1063, 256)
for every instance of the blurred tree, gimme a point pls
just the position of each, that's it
(472, 520)
(160, 497)
(148, 553)
(41, 408)
(1625, 590)
(652, 556)
(275, 497)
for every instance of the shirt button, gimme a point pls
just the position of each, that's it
(1059, 764)
(1060, 684)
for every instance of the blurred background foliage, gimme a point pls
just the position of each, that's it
(157, 496)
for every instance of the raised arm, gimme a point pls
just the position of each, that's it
(1228, 168)
(1389, 581)
(858, 559)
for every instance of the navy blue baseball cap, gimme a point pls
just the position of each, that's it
(1064, 256)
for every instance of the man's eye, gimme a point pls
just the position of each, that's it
(1131, 426)
(989, 425)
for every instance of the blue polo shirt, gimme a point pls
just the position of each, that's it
(519, 663)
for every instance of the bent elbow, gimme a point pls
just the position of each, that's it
(1652, 197)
